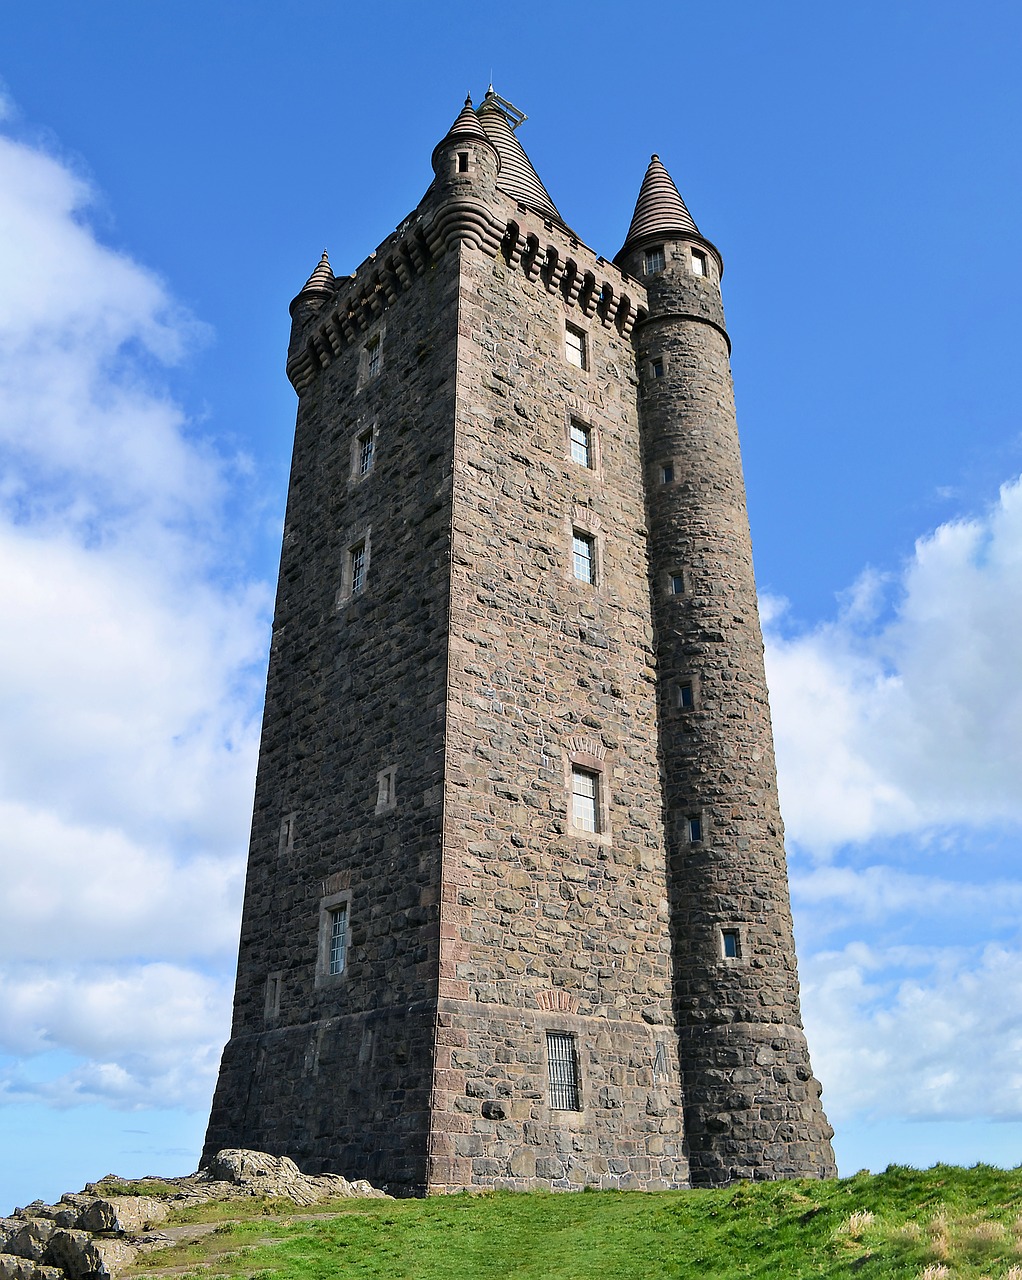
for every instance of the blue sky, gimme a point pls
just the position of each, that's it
(170, 172)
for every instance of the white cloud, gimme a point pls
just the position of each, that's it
(130, 673)
(148, 1035)
(906, 712)
(926, 1033)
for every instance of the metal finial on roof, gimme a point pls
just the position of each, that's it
(660, 211)
(322, 278)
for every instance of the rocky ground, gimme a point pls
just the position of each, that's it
(99, 1232)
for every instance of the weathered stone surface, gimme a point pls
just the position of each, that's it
(82, 1256)
(124, 1214)
(29, 1240)
(13, 1267)
(257, 1173)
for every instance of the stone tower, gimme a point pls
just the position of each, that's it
(517, 910)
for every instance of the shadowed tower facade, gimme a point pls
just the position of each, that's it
(517, 910)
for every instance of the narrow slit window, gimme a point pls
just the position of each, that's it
(463, 162)
(583, 556)
(694, 823)
(585, 790)
(581, 444)
(338, 939)
(271, 1008)
(357, 567)
(575, 347)
(562, 1068)
(372, 357)
(686, 696)
(698, 263)
(730, 944)
(654, 260)
(366, 450)
(656, 367)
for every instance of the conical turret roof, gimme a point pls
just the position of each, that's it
(321, 280)
(467, 124)
(517, 178)
(659, 211)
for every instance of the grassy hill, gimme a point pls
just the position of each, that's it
(939, 1224)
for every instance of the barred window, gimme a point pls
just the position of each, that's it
(338, 939)
(581, 444)
(654, 260)
(584, 797)
(583, 557)
(562, 1066)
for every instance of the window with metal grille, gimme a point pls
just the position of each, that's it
(562, 1066)
(372, 357)
(338, 939)
(583, 557)
(584, 799)
(357, 565)
(575, 347)
(365, 453)
(654, 260)
(581, 444)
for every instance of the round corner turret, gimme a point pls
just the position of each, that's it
(465, 161)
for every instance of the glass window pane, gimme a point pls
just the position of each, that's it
(581, 444)
(583, 800)
(582, 557)
(562, 1066)
(338, 938)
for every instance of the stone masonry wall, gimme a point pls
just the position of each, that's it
(339, 1077)
(545, 927)
(751, 1105)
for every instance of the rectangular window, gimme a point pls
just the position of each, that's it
(365, 452)
(463, 162)
(694, 823)
(562, 1067)
(271, 1006)
(357, 567)
(654, 260)
(338, 939)
(667, 473)
(677, 584)
(386, 789)
(372, 357)
(698, 263)
(583, 557)
(730, 944)
(575, 347)
(584, 800)
(656, 367)
(581, 443)
(686, 696)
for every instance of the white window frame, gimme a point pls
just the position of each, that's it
(329, 908)
(585, 800)
(655, 259)
(583, 555)
(583, 452)
(576, 352)
(699, 263)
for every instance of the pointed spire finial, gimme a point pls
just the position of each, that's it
(660, 211)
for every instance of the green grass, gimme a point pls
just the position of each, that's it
(945, 1222)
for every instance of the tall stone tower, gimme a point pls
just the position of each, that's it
(517, 910)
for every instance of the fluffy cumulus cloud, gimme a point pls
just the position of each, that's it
(905, 713)
(899, 743)
(129, 672)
